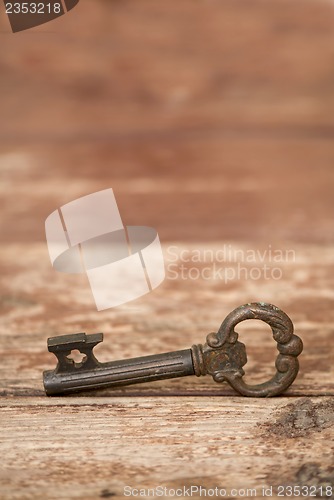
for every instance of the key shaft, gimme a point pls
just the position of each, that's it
(91, 374)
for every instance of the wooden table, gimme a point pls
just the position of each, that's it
(213, 123)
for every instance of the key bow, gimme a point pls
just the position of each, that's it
(223, 356)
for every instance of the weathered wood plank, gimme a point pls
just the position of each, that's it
(213, 122)
(92, 448)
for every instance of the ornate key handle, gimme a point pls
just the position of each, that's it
(223, 356)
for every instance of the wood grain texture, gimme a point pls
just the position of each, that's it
(213, 122)
(67, 448)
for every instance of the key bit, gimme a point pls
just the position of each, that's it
(222, 357)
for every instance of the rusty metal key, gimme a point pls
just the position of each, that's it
(222, 357)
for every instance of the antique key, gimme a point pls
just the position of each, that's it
(222, 357)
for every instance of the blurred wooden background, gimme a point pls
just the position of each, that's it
(213, 122)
